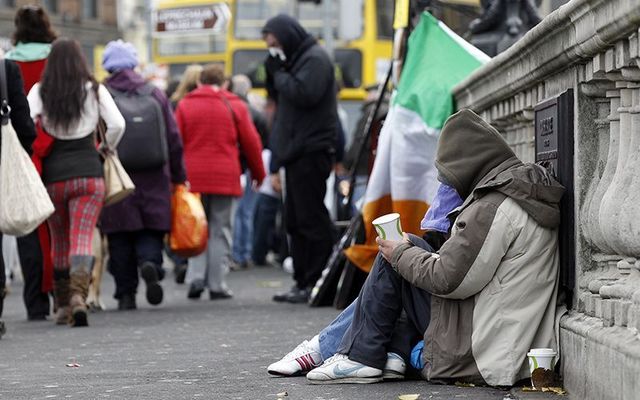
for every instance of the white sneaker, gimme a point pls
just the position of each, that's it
(339, 369)
(301, 360)
(395, 367)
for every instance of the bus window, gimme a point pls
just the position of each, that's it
(252, 14)
(249, 63)
(190, 44)
(349, 67)
(385, 18)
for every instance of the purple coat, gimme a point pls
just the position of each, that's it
(150, 206)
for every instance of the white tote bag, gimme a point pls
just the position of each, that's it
(24, 201)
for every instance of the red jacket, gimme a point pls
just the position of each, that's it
(31, 72)
(213, 141)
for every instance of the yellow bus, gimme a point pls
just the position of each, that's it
(229, 32)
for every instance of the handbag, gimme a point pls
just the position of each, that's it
(118, 184)
(24, 201)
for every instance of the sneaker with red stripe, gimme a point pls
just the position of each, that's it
(301, 360)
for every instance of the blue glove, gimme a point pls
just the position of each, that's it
(416, 356)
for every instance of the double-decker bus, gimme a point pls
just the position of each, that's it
(229, 32)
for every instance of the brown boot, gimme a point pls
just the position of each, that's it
(79, 288)
(62, 294)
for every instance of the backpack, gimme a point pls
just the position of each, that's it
(144, 143)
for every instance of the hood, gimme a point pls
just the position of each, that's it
(529, 185)
(473, 157)
(289, 33)
(468, 149)
(126, 80)
(26, 52)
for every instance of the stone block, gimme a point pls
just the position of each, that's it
(608, 313)
(621, 317)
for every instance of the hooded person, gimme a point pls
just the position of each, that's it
(300, 79)
(488, 295)
(137, 225)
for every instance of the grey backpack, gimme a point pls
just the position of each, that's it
(144, 143)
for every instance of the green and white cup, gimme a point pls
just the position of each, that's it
(542, 358)
(388, 227)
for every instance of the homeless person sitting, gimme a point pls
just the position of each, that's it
(482, 301)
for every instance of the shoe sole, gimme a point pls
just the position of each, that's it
(281, 374)
(154, 290)
(389, 375)
(346, 380)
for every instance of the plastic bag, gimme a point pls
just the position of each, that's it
(24, 201)
(189, 228)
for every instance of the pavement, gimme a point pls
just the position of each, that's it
(183, 349)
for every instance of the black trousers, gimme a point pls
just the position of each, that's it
(307, 219)
(35, 301)
(127, 252)
(391, 315)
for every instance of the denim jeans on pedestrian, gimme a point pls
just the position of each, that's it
(331, 336)
(264, 227)
(243, 224)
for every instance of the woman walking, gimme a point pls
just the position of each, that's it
(32, 39)
(216, 127)
(136, 226)
(69, 102)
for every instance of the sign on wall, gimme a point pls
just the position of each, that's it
(554, 150)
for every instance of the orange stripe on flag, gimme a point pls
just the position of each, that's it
(411, 213)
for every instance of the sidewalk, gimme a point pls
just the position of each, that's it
(182, 350)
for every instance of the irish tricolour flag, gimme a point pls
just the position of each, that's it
(403, 179)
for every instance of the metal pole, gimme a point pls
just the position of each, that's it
(327, 29)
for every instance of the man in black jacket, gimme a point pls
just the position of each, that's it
(23, 124)
(300, 79)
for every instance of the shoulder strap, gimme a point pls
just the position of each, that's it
(5, 110)
(233, 114)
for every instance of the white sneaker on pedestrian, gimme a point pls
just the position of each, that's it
(339, 369)
(301, 360)
(395, 367)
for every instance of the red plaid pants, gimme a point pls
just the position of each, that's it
(78, 203)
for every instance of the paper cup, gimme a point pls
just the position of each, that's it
(541, 358)
(388, 227)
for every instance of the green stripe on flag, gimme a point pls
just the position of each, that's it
(435, 63)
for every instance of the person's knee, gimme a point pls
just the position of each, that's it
(420, 242)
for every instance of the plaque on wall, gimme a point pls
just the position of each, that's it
(554, 150)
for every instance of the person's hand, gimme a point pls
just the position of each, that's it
(272, 65)
(387, 247)
(276, 183)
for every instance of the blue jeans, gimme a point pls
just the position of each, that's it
(264, 226)
(243, 224)
(331, 336)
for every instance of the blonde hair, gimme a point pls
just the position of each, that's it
(190, 80)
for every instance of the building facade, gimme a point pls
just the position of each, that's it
(92, 22)
(575, 78)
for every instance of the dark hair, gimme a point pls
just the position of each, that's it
(212, 74)
(63, 86)
(32, 25)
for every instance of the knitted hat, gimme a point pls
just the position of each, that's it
(119, 55)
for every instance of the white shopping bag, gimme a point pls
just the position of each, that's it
(24, 201)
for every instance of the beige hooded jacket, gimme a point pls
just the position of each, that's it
(495, 281)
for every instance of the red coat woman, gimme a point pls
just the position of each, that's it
(216, 128)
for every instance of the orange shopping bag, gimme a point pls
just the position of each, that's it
(189, 228)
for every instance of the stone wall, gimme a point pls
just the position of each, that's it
(593, 47)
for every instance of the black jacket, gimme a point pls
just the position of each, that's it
(304, 90)
(20, 115)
